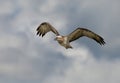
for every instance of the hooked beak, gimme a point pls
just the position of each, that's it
(55, 39)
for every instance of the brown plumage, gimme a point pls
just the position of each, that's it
(79, 32)
(46, 27)
(65, 40)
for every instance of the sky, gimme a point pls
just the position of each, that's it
(27, 58)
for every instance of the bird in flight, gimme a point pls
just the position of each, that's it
(65, 41)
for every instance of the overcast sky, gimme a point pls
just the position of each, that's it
(27, 58)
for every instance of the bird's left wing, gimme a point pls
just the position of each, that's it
(44, 28)
(79, 32)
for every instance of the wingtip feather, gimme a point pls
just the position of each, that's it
(102, 42)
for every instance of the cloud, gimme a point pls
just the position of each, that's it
(24, 57)
(89, 70)
(9, 8)
(21, 71)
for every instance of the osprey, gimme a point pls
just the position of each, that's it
(65, 40)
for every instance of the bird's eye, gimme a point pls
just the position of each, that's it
(43, 23)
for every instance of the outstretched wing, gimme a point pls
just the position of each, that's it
(44, 28)
(79, 32)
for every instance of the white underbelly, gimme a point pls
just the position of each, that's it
(65, 40)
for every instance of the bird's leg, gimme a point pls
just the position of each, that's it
(68, 46)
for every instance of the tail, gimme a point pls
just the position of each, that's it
(69, 46)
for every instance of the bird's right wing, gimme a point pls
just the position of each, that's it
(44, 28)
(79, 32)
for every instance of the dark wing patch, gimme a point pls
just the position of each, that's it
(79, 32)
(44, 28)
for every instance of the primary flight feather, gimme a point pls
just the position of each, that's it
(65, 40)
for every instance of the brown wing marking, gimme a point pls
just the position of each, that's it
(44, 28)
(79, 32)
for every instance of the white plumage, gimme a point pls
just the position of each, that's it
(65, 40)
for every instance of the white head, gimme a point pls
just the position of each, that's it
(58, 37)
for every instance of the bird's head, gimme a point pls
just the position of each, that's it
(58, 38)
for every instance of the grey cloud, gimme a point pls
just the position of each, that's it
(24, 57)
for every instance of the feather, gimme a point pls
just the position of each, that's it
(79, 32)
(44, 28)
